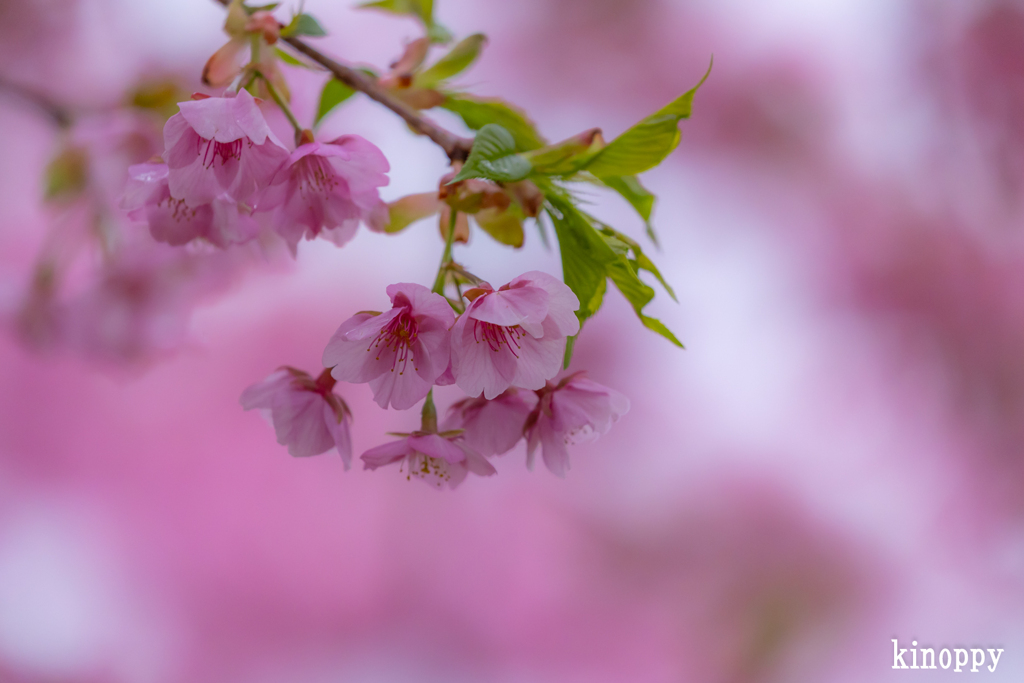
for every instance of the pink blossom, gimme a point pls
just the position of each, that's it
(141, 301)
(307, 415)
(576, 410)
(148, 198)
(513, 336)
(328, 188)
(434, 458)
(220, 145)
(492, 427)
(401, 353)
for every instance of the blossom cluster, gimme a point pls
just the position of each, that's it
(222, 165)
(220, 177)
(503, 351)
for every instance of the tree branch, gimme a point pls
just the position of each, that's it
(59, 115)
(456, 147)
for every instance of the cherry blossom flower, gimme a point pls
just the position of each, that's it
(575, 410)
(401, 353)
(148, 198)
(220, 145)
(492, 427)
(307, 415)
(513, 336)
(140, 304)
(436, 459)
(328, 188)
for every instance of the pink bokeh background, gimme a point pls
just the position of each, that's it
(836, 459)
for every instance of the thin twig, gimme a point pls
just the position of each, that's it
(60, 115)
(456, 147)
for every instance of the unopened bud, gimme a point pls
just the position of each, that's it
(264, 23)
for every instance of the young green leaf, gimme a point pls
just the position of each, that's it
(584, 255)
(292, 61)
(493, 156)
(421, 9)
(504, 225)
(477, 112)
(637, 195)
(639, 294)
(646, 144)
(590, 256)
(640, 261)
(303, 25)
(250, 9)
(334, 93)
(568, 156)
(456, 61)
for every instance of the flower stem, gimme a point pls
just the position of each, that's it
(283, 106)
(428, 420)
(446, 257)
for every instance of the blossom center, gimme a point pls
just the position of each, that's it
(496, 336)
(180, 211)
(315, 175)
(398, 338)
(211, 150)
(431, 470)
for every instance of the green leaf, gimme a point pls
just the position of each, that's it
(439, 34)
(261, 8)
(334, 93)
(568, 156)
(584, 255)
(456, 61)
(646, 144)
(289, 59)
(303, 25)
(504, 225)
(493, 156)
(477, 112)
(421, 9)
(637, 195)
(590, 256)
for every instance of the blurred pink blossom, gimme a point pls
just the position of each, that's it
(222, 222)
(436, 459)
(575, 410)
(492, 427)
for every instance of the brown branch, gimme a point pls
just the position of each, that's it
(456, 147)
(60, 115)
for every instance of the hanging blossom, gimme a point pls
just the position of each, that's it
(513, 336)
(401, 353)
(220, 145)
(575, 410)
(307, 415)
(436, 459)
(147, 198)
(140, 303)
(327, 188)
(492, 427)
